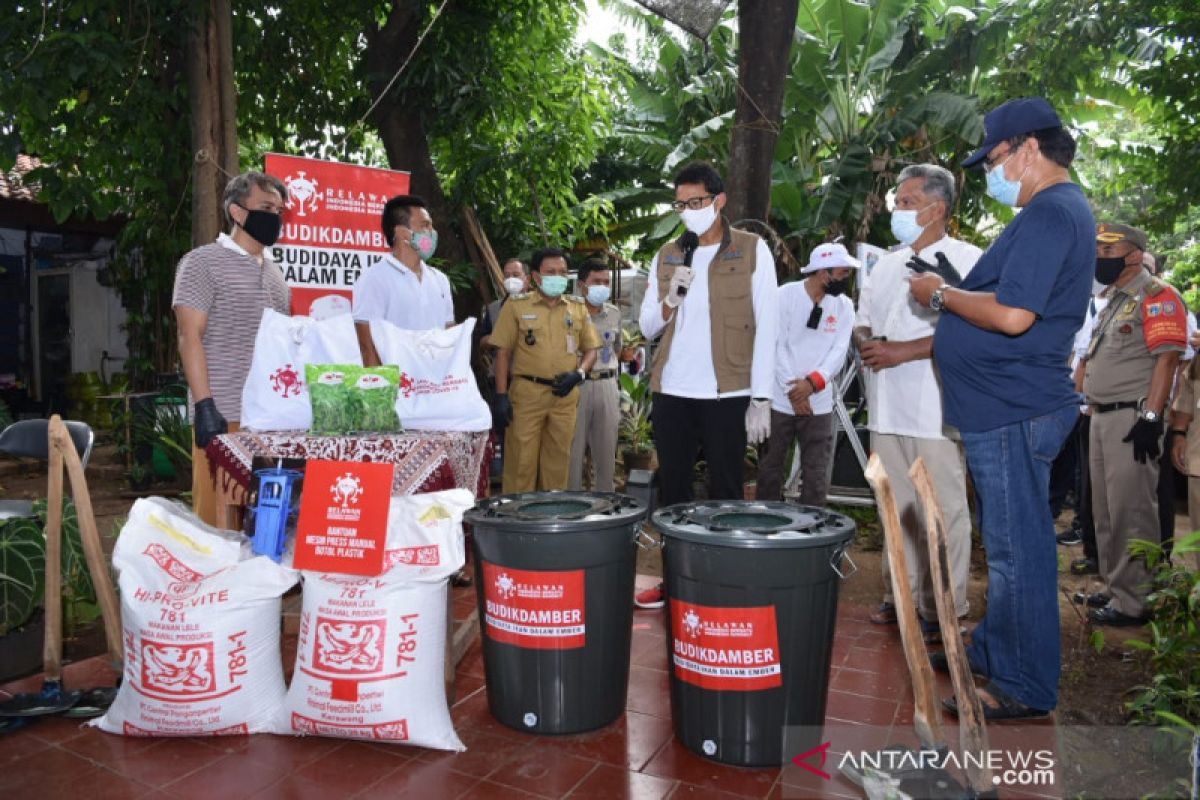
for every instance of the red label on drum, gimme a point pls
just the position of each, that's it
(540, 610)
(731, 649)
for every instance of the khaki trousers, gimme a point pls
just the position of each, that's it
(944, 460)
(538, 442)
(204, 490)
(1125, 507)
(596, 432)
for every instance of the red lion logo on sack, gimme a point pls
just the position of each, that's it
(286, 381)
(406, 384)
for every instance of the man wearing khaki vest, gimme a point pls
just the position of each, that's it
(714, 368)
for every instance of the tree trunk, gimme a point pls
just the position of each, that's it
(405, 139)
(400, 125)
(765, 30)
(214, 118)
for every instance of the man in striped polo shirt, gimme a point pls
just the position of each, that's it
(221, 290)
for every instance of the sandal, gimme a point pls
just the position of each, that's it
(1005, 710)
(885, 614)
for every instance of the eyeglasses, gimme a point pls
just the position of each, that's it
(694, 203)
(990, 164)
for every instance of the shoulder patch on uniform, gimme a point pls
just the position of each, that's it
(1155, 287)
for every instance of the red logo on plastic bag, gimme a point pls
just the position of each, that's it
(178, 670)
(725, 648)
(351, 648)
(540, 610)
(172, 565)
(424, 556)
(286, 381)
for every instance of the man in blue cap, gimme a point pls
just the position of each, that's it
(1001, 347)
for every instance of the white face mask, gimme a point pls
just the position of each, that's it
(514, 285)
(700, 220)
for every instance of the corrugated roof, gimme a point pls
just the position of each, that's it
(12, 187)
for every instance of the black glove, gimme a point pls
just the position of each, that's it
(943, 268)
(502, 412)
(1147, 440)
(208, 422)
(564, 382)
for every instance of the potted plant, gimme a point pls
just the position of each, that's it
(22, 587)
(635, 433)
(22, 569)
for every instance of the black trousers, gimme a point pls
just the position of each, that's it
(682, 426)
(1166, 496)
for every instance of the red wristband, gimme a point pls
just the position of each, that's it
(818, 382)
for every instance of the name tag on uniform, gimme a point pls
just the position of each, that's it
(529, 316)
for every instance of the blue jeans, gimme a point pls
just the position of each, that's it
(1017, 643)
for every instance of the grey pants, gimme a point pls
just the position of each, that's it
(814, 435)
(596, 432)
(1125, 507)
(944, 460)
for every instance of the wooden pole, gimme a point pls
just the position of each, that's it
(89, 535)
(972, 730)
(52, 647)
(927, 718)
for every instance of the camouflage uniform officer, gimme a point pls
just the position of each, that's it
(552, 345)
(1130, 368)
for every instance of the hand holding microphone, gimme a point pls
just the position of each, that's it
(682, 278)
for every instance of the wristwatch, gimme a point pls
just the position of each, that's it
(1148, 415)
(937, 300)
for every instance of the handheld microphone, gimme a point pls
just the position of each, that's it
(689, 242)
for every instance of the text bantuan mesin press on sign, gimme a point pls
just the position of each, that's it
(330, 228)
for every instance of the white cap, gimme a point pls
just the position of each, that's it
(828, 256)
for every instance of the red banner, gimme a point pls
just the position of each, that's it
(331, 227)
(343, 517)
(725, 648)
(539, 610)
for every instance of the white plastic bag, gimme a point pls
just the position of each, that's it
(275, 397)
(437, 388)
(371, 653)
(201, 629)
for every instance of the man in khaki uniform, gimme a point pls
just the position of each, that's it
(552, 346)
(1130, 368)
(599, 403)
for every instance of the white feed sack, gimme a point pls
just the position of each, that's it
(201, 626)
(369, 661)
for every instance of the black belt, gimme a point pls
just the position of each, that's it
(1104, 408)
(542, 381)
(602, 375)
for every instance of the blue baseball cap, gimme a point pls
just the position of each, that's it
(1023, 115)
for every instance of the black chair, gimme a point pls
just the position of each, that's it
(29, 438)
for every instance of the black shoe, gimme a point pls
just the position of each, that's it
(1093, 600)
(1111, 617)
(1069, 537)
(1085, 566)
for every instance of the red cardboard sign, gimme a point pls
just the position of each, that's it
(539, 610)
(733, 649)
(331, 227)
(343, 517)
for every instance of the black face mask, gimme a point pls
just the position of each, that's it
(837, 287)
(262, 226)
(1109, 269)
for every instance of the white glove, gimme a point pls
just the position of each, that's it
(680, 280)
(758, 421)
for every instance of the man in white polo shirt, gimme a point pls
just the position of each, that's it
(895, 338)
(402, 288)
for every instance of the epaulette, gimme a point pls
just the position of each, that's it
(1156, 287)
